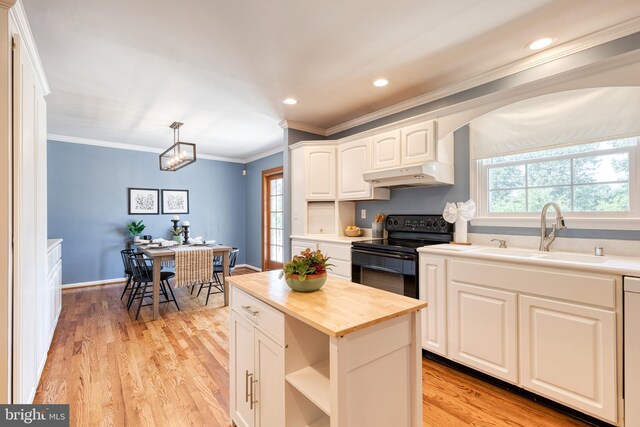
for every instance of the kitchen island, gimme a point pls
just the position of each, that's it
(346, 355)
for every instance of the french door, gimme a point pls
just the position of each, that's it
(272, 219)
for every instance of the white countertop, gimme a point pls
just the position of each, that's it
(625, 266)
(331, 238)
(52, 243)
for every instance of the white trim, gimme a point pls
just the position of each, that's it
(20, 18)
(591, 40)
(94, 283)
(572, 223)
(249, 266)
(131, 147)
(264, 154)
(315, 143)
(290, 124)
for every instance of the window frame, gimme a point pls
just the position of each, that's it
(479, 177)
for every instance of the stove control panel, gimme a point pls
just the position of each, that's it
(418, 223)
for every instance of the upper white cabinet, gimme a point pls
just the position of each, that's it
(386, 150)
(354, 159)
(320, 172)
(418, 143)
(569, 354)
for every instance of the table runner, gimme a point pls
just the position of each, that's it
(193, 265)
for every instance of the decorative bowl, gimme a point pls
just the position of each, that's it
(354, 233)
(312, 283)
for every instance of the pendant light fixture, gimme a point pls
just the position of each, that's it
(180, 154)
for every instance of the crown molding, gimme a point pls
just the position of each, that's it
(549, 55)
(131, 147)
(22, 24)
(290, 124)
(263, 154)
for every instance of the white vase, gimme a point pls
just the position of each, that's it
(460, 235)
(136, 238)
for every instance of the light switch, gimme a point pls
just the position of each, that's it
(363, 213)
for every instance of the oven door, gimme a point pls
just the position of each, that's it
(390, 271)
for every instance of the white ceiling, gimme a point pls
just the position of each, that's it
(122, 71)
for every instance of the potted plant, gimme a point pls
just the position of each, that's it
(306, 272)
(135, 229)
(177, 235)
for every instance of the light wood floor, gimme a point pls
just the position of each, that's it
(116, 371)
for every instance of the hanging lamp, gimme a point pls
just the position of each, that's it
(180, 154)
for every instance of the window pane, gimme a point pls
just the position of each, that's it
(279, 254)
(273, 237)
(279, 220)
(278, 186)
(273, 204)
(556, 172)
(538, 197)
(273, 253)
(507, 201)
(274, 220)
(279, 237)
(601, 197)
(613, 167)
(279, 203)
(507, 177)
(273, 186)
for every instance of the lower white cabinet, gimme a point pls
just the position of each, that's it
(483, 325)
(257, 363)
(340, 253)
(569, 354)
(433, 290)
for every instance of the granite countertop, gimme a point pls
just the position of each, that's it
(337, 309)
(619, 265)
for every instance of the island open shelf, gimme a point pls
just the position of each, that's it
(345, 355)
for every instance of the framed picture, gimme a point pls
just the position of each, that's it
(175, 201)
(144, 201)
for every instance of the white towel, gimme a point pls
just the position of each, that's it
(195, 240)
(166, 243)
(210, 242)
(159, 240)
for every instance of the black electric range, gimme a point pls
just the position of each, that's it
(392, 264)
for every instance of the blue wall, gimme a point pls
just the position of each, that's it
(87, 199)
(253, 206)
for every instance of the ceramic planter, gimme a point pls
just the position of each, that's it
(312, 283)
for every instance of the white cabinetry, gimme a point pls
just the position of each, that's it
(320, 172)
(386, 150)
(340, 253)
(354, 159)
(483, 325)
(257, 362)
(433, 290)
(418, 143)
(568, 353)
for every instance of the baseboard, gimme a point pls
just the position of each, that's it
(250, 267)
(94, 283)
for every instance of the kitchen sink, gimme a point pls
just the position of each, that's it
(520, 253)
(589, 259)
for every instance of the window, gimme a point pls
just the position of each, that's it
(587, 180)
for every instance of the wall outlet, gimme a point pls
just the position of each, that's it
(363, 213)
(244, 172)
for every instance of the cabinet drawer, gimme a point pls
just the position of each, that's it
(336, 251)
(259, 313)
(53, 256)
(340, 268)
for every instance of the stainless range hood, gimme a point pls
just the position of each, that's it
(429, 173)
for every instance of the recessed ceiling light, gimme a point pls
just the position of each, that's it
(540, 43)
(290, 101)
(381, 82)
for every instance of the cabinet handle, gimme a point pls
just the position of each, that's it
(253, 402)
(248, 309)
(246, 386)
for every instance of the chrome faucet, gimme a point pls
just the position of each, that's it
(546, 240)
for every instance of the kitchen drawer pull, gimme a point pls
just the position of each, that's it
(248, 309)
(246, 386)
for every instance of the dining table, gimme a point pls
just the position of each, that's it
(161, 254)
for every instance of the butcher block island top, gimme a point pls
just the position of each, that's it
(340, 307)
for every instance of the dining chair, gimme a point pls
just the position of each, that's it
(125, 253)
(142, 269)
(215, 283)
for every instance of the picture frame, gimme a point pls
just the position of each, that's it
(144, 201)
(175, 201)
